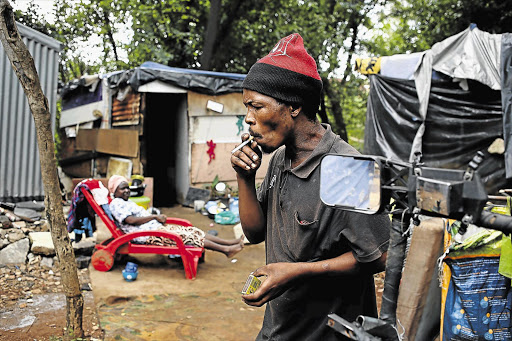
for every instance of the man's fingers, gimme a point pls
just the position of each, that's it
(243, 160)
(257, 301)
(237, 159)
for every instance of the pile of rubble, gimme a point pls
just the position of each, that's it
(28, 262)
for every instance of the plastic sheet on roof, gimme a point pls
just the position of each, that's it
(205, 82)
(458, 124)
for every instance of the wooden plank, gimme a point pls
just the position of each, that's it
(86, 139)
(420, 266)
(123, 142)
(233, 104)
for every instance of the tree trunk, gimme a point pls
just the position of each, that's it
(339, 126)
(23, 64)
(210, 34)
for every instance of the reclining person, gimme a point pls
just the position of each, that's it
(132, 217)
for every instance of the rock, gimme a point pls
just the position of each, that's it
(42, 243)
(4, 243)
(15, 253)
(44, 226)
(85, 287)
(19, 224)
(37, 206)
(84, 247)
(11, 216)
(26, 230)
(82, 262)
(27, 214)
(14, 235)
(47, 261)
(5, 222)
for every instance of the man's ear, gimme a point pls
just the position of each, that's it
(295, 111)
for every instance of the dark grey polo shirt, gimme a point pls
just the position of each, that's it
(300, 228)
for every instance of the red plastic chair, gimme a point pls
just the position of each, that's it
(120, 243)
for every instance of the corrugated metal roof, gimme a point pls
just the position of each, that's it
(20, 171)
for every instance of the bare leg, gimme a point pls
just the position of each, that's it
(221, 241)
(228, 250)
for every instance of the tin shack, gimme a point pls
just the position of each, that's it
(177, 126)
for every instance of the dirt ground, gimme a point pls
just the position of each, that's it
(161, 304)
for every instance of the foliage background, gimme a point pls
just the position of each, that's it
(230, 35)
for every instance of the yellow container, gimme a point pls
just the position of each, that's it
(142, 201)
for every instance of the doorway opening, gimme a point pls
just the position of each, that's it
(158, 145)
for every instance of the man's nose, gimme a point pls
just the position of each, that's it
(249, 118)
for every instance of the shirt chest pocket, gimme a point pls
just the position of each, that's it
(302, 237)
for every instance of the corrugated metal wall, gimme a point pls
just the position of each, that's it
(20, 170)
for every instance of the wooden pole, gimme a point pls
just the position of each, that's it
(23, 64)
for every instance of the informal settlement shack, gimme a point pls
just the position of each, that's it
(175, 125)
(448, 103)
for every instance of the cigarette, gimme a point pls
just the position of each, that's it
(242, 144)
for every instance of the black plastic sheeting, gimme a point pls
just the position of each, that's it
(204, 82)
(459, 123)
(506, 96)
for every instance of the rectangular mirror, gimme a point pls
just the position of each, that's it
(350, 182)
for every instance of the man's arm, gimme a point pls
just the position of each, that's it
(251, 214)
(280, 276)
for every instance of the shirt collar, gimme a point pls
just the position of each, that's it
(309, 165)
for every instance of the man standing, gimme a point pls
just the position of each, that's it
(319, 260)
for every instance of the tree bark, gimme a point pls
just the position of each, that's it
(339, 126)
(210, 37)
(23, 64)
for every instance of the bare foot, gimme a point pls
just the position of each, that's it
(241, 240)
(233, 250)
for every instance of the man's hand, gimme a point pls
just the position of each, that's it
(280, 277)
(248, 159)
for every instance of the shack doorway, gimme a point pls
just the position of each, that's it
(160, 142)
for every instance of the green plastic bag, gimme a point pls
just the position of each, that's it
(506, 257)
(505, 267)
(226, 218)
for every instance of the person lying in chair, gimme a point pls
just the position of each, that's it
(132, 217)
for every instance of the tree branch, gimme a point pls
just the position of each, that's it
(24, 67)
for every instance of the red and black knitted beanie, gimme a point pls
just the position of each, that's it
(288, 73)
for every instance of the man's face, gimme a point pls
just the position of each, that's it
(270, 122)
(122, 191)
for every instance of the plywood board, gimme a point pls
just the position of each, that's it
(121, 142)
(217, 128)
(232, 104)
(86, 139)
(421, 264)
(202, 172)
